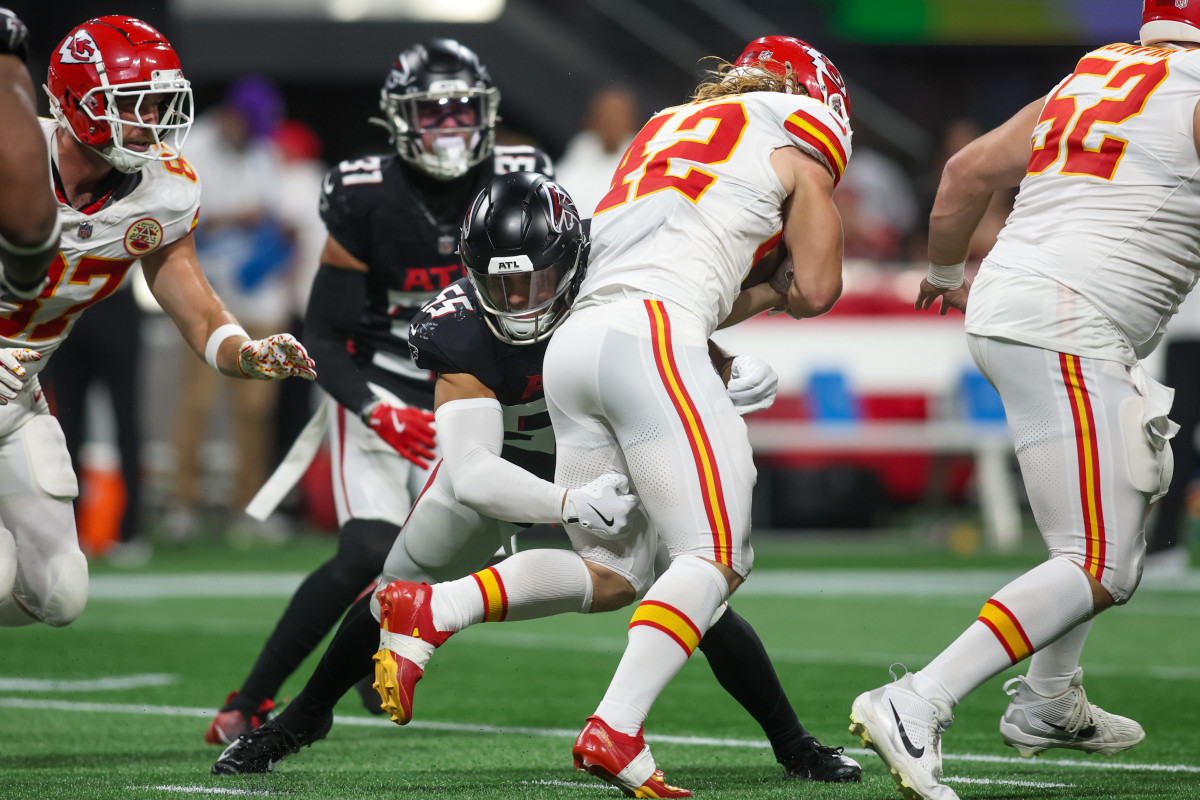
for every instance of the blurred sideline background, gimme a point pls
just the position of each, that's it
(882, 426)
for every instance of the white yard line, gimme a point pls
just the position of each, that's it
(563, 733)
(1027, 784)
(90, 685)
(201, 790)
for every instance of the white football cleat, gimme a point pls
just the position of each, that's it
(905, 730)
(1034, 723)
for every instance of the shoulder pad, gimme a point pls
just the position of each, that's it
(815, 129)
(522, 158)
(172, 185)
(449, 334)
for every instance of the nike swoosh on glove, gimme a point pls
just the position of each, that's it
(275, 357)
(752, 384)
(12, 374)
(406, 429)
(602, 506)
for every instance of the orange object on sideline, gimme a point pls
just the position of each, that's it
(101, 506)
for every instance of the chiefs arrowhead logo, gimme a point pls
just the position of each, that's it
(79, 49)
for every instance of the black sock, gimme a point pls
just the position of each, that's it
(743, 669)
(320, 601)
(346, 661)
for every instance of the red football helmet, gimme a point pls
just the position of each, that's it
(116, 63)
(808, 67)
(1170, 21)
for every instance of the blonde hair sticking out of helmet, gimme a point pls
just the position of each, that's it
(726, 79)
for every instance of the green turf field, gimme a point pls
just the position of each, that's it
(115, 706)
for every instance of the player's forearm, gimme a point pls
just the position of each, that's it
(337, 299)
(751, 302)
(471, 434)
(960, 205)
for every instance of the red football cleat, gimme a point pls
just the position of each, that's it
(407, 639)
(229, 725)
(622, 760)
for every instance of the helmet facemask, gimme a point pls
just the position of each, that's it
(523, 304)
(104, 105)
(446, 152)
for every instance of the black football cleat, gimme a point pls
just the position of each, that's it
(262, 749)
(816, 762)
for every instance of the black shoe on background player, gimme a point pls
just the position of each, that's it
(816, 762)
(262, 749)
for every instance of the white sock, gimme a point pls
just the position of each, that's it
(1027, 614)
(1052, 668)
(664, 630)
(528, 585)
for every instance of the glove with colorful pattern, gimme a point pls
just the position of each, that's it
(275, 357)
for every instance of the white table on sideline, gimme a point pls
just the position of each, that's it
(989, 444)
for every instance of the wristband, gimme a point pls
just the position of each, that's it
(218, 336)
(366, 411)
(950, 277)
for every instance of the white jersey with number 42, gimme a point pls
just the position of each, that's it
(97, 250)
(1104, 241)
(695, 200)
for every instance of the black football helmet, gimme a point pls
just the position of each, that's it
(432, 81)
(525, 252)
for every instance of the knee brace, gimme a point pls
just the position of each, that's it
(1122, 581)
(8, 562)
(69, 590)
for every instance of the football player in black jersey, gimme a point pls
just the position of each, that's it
(393, 227)
(485, 336)
(29, 224)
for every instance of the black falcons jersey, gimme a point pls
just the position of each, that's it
(449, 335)
(404, 226)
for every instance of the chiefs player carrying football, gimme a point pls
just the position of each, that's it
(485, 336)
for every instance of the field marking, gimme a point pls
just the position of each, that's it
(1026, 784)
(985, 781)
(572, 785)
(90, 685)
(767, 582)
(563, 733)
(202, 790)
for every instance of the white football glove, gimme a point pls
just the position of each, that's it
(601, 507)
(12, 374)
(752, 384)
(277, 356)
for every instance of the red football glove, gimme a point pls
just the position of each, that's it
(406, 429)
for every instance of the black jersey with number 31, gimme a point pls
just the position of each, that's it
(449, 336)
(404, 226)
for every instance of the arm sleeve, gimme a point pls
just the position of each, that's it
(471, 433)
(337, 300)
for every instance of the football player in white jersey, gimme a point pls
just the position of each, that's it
(703, 192)
(28, 214)
(121, 111)
(1097, 254)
